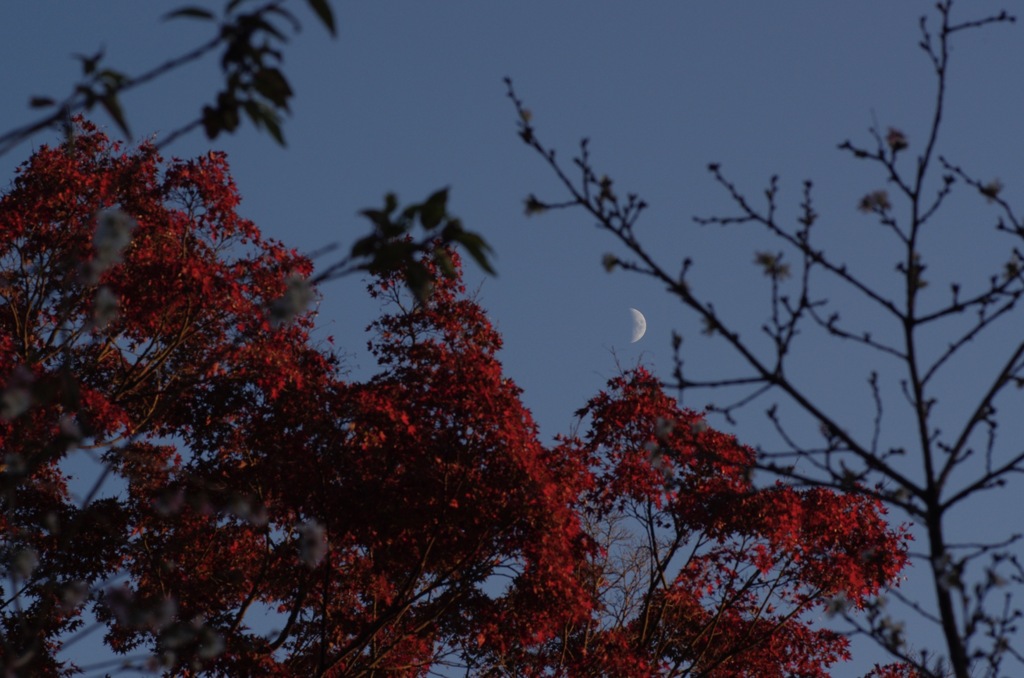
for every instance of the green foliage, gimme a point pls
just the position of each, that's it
(390, 246)
(251, 47)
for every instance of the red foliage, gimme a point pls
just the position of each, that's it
(700, 571)
(407, 522)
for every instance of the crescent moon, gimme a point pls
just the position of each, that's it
(639, 325)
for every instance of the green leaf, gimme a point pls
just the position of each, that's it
(419, 280)
(211, 122)
(89, 63)
(274, 129)
(477, 248)
(434, 209)
(113, 108)
(271, 83)
(364, 246)
(257, 22)
(377, 217)
(264, 117)
(323, 10)
(391, 256)
(189, 12)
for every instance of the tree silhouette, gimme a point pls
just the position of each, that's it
(926, 338)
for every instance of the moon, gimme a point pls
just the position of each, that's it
(639, 325)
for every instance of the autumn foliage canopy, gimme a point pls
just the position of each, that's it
(253, 512)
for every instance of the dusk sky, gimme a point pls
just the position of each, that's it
(410, 98)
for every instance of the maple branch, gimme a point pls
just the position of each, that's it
(619, 219)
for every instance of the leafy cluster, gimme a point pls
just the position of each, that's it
(250, 38)
(697, 571)
(404, 524)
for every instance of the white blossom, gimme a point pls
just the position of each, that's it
(25, 562)
(70, 429)
(104, 308)
(14, 402)
(113, 234)
(312, 543)
(72, 595)
(17, 397)
(296, 299)
(14, 463)
(663, 428)
(837, 605)
(211, 643)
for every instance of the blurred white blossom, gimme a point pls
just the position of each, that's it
(51, 521)
(837, 605)
(14, 402)
(70, 430)
(120, 600)
(113, 234)
(312, 543)
(25, 562)
(14, 463)
(169, 502)
(211, 643)
(104, 308)
(72, 595)
(296, 299)
(663, 428)
(17, 397)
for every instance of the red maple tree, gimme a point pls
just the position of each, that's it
(403, 524)
(699, 571)
(133, 305)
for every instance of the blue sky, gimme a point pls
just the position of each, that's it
(409, 98)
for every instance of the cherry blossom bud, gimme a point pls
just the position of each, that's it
(534, 206)
(992, 189)
(876, 201)
(896, 139)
